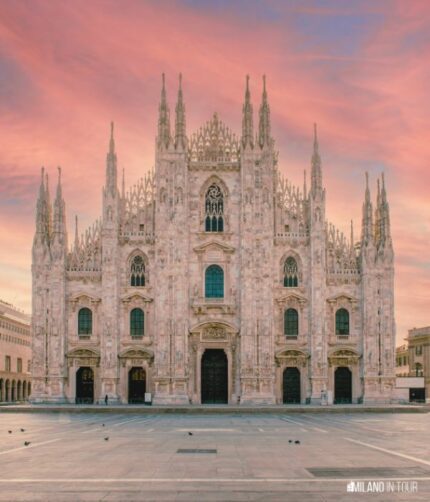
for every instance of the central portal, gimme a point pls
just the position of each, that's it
(214, 377)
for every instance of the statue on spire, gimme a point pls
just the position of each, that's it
(164, 138)
(180, 132)
(367, 222)
(247, 119)
(111, 164)
(316, 173)
(264, 137)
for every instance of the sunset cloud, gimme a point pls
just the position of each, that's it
(360, 70)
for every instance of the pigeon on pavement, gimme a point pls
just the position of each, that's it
(26, 443)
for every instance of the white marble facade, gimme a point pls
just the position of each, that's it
(213, 199)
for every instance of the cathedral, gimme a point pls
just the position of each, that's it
(213, 280)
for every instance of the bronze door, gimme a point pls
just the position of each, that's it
(291, 386)
(84, 386)
(136, 385)
(214, 377)
(342, 386)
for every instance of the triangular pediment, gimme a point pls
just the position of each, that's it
(214, 142)
(83, 296)
(284, 353)
(83, 352)
(344, 352)
(136, 296)
(342, 296)
(215, 246)
(137, 352)
(292, 296)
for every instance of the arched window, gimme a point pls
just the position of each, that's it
(137, 322)
(214, 209)
(137, 272)
(342, 322)
(291, 322)
(85, 321)
(290, 273)
(214, 282)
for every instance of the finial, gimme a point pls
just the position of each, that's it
(247, 83)
(180, 81)
(76, 231)
(111, 141)
(42, 173)
(163, 81)
(264, 84)
(367, 180)
(59, 174)
(123, 182)
(315, 137)
(383, 180)
(304, 184)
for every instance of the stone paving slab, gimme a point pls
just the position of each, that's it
(256, 457)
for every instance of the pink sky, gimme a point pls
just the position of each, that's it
(361, 70)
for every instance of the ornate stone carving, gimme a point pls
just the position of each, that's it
(214, 333)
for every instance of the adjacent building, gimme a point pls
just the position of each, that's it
(15, 354)
(213, 280)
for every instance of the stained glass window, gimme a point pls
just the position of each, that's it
(137, 322)
(290, 273)
(137, 272)
(342, 322)
(214, 209)
(85, 321)
(214, 282)
(291, 322)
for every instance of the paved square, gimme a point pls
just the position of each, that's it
(235, 456)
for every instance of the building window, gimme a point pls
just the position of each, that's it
(85, 321)
(137, 322)
(7, 363)
(418, 350)
(290, 273)
(137, 272)
(342, 322)
(19, 365)
(419, 370)
(214, 209)
(214, 282)
(291, 322)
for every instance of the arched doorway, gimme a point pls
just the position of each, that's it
(24, 390)
(291, 386)
(136, 385)
(84, 386)
(342, 385)
(18, 393)
(214, 377)
(7, 391)
(13, 397)
(1, 389)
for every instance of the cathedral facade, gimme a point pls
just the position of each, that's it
(213, 280)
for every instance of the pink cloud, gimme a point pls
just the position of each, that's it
(97, 61)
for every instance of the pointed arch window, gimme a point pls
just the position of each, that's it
(342, 322)
(214, 209)
(85, 321)
(214, 282)
(291, 322)
(137, 322)
(290, 273)
(137, 272)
